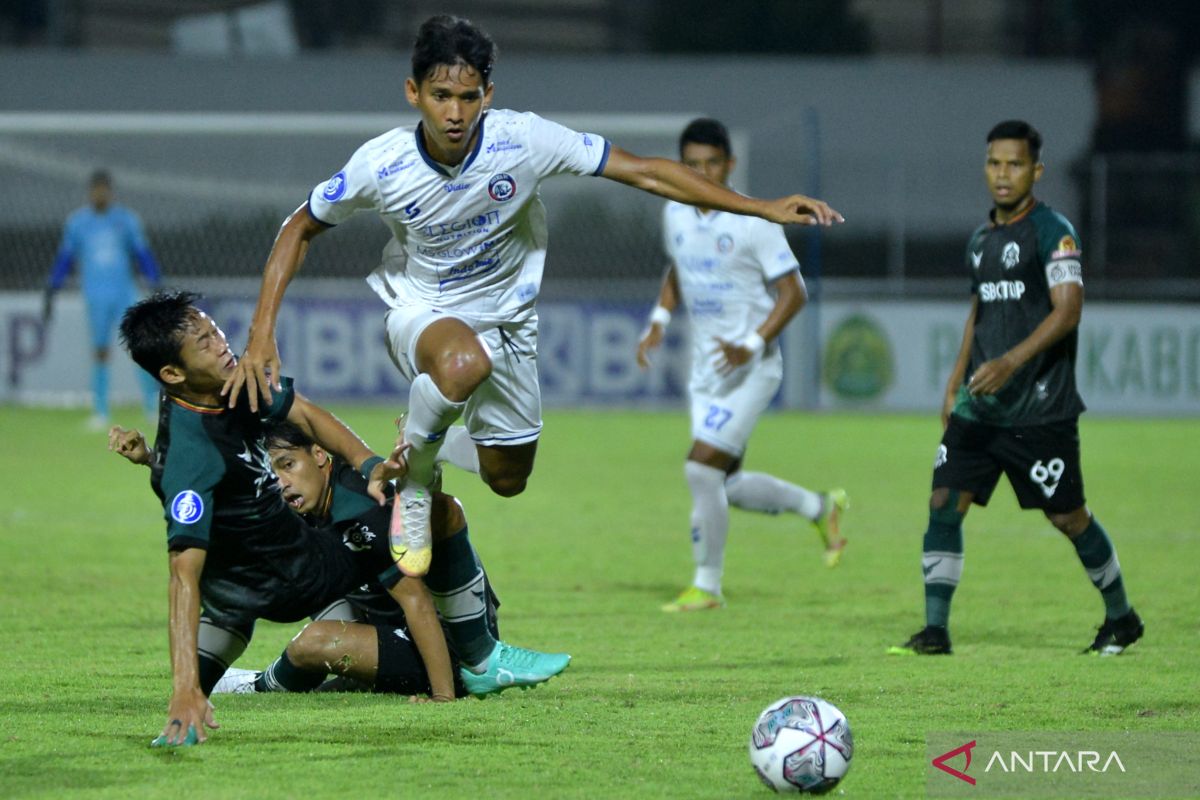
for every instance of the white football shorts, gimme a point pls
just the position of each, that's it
(507, 408)
(725, 411)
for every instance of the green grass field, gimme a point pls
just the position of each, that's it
(653, 705)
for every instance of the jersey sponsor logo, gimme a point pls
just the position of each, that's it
(976, 258)
(187, 507)
(393, 168)
(992, 291)
(358, 537)
(1059, 272)
(724, 243)
(476, 269)
(1011, 255)
(456, 187)
(502, 187)
(706, 307)
(335, 188)
(448, 230)
(502, 145)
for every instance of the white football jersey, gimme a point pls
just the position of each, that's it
(470, 238)
(724, 264)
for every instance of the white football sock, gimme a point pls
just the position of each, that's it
(758, 491)
(710, 523)
(459, 449)
(429, 415)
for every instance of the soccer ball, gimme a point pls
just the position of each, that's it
(801, 744)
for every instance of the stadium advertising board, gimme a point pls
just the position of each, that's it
(893, 356)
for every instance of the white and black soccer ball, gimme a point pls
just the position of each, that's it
(801, 744)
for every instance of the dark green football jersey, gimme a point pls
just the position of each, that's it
(214, 478)
(357, 520)
(1013, 267)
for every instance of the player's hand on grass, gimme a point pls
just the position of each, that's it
(129, 443)
(257, 371)
(800, 210)
(991, 376)
(187, 717)
(392, 468)
(732, 356)
(651, 340)
(437, 698)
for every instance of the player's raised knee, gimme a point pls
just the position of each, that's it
(508, 484)
(315, 646)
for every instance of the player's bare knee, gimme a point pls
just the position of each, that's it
(315, 645)
(939, 499)
(1071, 523)
(507, 484)
(458, 374)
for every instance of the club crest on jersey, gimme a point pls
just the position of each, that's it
(187, 507)
(724, 243)
(502, 187)
(358, 538)
(335, 188)
(1011, 255)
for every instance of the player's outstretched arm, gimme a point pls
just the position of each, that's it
(189, 712)
(674, 181)
(1067, 302)
(660, 317)
(261, 358)
(416, 601)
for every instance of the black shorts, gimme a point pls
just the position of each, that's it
(401, 670)
(1041, 461)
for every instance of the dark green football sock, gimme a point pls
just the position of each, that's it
(942, 560)
(1099, 558)
(457, 584)
(284, 676)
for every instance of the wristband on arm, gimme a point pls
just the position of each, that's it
(754, 343)
(369, 465)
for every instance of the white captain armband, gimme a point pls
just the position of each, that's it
(1067, 270)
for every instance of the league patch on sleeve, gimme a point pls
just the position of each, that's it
(1067, 248)
(335, 188)
(187, 507)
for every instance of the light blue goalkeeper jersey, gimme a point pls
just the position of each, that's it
(104, 245)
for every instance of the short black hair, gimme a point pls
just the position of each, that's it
(1018, 129)
(152, 329)
(284, 435)
(447, 40)
(100, 177)
(706, 131)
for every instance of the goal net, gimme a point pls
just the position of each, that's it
(212, 190)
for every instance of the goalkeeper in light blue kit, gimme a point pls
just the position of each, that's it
(105, 240)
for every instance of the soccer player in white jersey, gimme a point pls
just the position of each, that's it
(459, 192)
(741, 285)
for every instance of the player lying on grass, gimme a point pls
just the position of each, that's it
(462, 273)
(235, 547)
(374, 650)
(741, 285)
